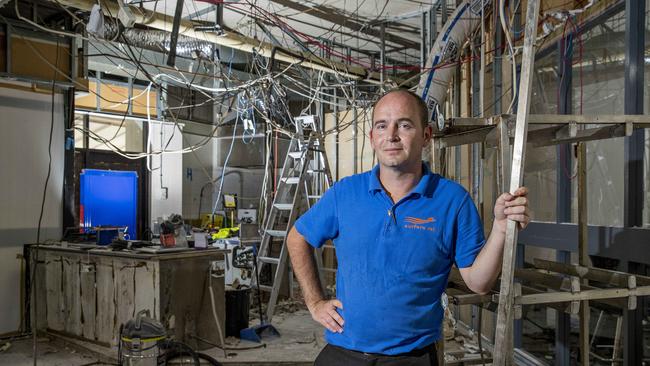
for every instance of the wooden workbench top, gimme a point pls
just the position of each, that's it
(106, 251)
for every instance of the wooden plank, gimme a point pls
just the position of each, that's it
(145, 287)
(460, 297)
(558, 283)
(71, 295)
(596, 294)
(156, 291)
(55, 305)
(554, 136)
(124, 271)
(487, 302)
(536, 278)
(41, 289)
(609, 277)
(104, 324)
(26, 62)
(477, 135)
(88, 101)
(504, 354)
(88, 299)
(563, 307)
(140, 102)
(114, 97)
(640, 121)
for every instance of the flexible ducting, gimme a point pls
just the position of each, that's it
(158, 40)
(434, 84)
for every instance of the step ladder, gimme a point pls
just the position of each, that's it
(305, 176)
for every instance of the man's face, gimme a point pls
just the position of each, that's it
(397, 135)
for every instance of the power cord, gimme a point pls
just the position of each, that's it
(40, 220)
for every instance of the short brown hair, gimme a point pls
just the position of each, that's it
(422, 106)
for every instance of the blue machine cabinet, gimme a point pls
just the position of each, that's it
(109, 198)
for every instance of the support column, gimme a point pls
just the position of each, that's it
(563, 203)
(634, 148)
(562, 324)
(456, 108)
(433, 26)
(70, 215)
(583, 250)
(424, 45)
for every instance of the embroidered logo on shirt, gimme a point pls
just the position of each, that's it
(419, 224)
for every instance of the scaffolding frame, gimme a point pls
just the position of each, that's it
(565, 287)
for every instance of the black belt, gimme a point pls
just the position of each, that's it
(418, 352)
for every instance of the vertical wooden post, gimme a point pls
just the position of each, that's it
(583, 249)
(502, 347)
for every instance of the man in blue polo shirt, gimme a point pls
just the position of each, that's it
(397, 230)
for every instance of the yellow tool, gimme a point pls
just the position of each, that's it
(226, 232)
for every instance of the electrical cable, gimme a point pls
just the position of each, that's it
(513, 62)
(313, 93)
(131, 56)
(175, 349)
(40, 218)
(225, 165)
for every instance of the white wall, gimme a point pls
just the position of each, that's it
(172, 171)
(202, 158)
(25, 124)
(243, 176)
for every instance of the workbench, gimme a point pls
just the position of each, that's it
(89, 292)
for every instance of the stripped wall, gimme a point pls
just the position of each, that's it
(25, 124)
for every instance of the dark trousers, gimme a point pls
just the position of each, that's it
(334, 356)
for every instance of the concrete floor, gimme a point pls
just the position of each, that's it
(50, 353)
(300, 342)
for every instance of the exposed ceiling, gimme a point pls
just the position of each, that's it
(326, 27)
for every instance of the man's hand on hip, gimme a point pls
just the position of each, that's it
(324, 312)
(512, 207)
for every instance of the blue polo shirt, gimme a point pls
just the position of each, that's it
(393, 258)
